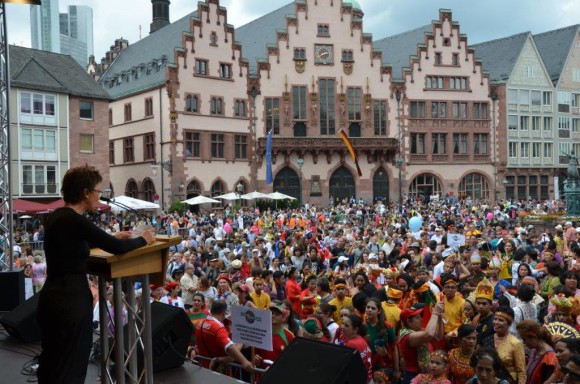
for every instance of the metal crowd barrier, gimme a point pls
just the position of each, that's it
(235, 370)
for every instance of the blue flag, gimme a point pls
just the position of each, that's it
(269, 158)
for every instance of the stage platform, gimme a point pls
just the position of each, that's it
(16, 355)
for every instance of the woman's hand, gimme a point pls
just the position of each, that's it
(149, 236)
(123, 235)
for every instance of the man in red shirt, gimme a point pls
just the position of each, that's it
(281, 336)
(212, 339)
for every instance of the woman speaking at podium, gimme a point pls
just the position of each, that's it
(65, 304)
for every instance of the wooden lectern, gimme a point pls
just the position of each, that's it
(150, 264)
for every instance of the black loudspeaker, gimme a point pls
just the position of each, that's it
(12, 285)
(21, 322)
(318, 362)
(170, 332)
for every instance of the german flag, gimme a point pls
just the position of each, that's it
(351, 149)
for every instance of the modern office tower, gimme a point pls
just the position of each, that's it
(68, 33)
(45, 26)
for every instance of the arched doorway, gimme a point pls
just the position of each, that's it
(342, 185)
(287, 182)
(148, 190)
(425, 185)
(381, 185)
(217, 189)
(474, 185)
(131, 189)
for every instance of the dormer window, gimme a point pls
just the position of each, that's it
(347, 55)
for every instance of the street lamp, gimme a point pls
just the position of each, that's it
(300, 163)
(399, 159)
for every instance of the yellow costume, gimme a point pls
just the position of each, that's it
(511, 353)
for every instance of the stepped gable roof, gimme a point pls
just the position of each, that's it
(554, 47)
(398, 49)
(258, 34)
(141, 65)
(150, 55)
(51, 72)
(499, 56)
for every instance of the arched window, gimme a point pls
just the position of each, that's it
(193, 189)
(381, 185)
(474, 185)
(148, 190)
(131, 189)
(287, 182)
(342, 185)
(425, 185)
(217, 189)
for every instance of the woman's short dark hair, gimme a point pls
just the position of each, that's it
(465, 330)
(327, 309)
(323, 284)
(486, 353)
(568, 275)
(573, 345)
(526, 292)
(554, 268)
(76, 181)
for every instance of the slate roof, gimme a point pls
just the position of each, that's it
(160, 47)
(398, 49)
(500, 56)
(51, 72)
(258, 34)
(554, 47)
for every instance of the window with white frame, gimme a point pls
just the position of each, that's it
(524, 123)
(575, 100)
(512, 149)
(525, 149)
(524, 97)
(512, 96)
(38, 179)
(576, 125)
(512, 122)
(548, 151)
(563, 148)
(563, 101)
(576, 75)
(537, 98)
(38, 143)
(548, 124)
(536, 123)
(536, 150)
(37, 104)
(530, 72)
(547, 98)
(86, 110)
(563, 123)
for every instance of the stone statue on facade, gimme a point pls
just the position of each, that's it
(572, 186)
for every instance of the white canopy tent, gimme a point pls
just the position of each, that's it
(130, 202)
(254, 196)
(229, 196)
(280, 196)
(199, 200)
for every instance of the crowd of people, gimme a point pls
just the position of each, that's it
(500, 307)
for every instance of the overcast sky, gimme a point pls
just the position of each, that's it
(480, 20)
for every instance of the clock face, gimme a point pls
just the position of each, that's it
(324, 54)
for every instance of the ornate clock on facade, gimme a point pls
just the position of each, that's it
(324, 54)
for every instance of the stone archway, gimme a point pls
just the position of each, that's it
(342, 185)
(287, 181)
(474, 185)
(381, 185)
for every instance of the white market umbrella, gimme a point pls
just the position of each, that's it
(280, 196)
(255, 195)
(199, 200)
(131, 202)
(228, 196)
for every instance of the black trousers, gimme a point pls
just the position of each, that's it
(65, 314)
